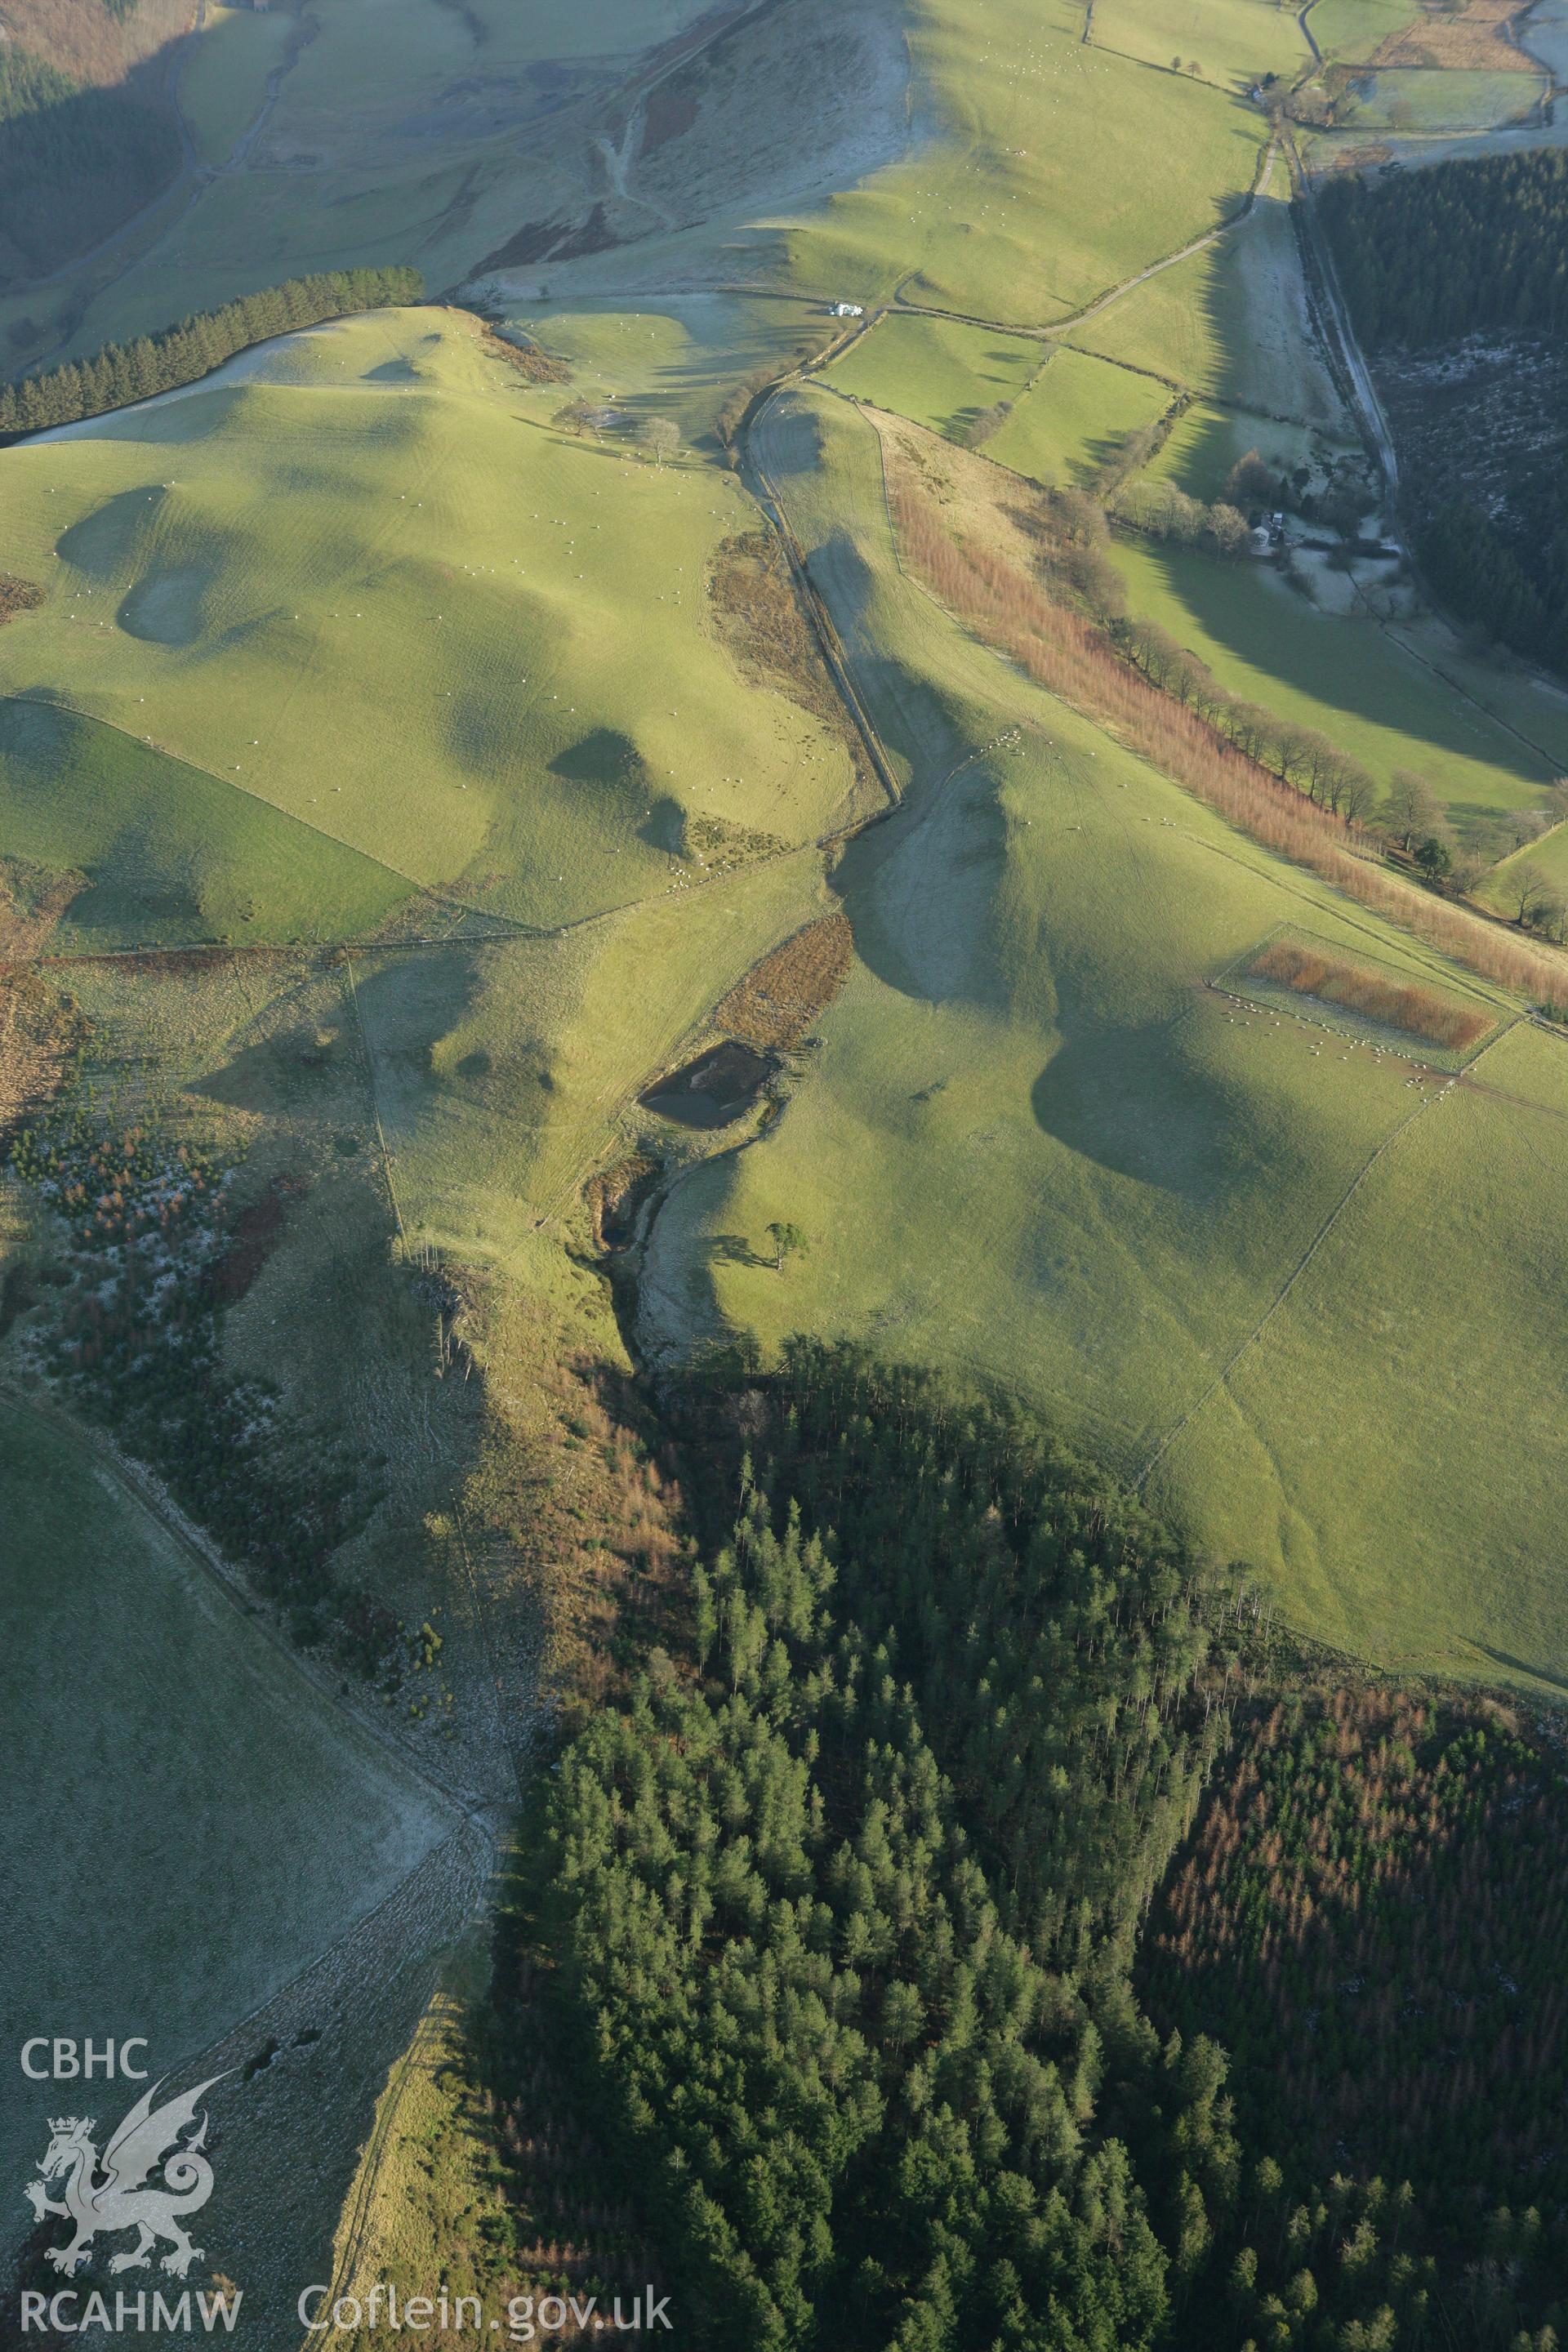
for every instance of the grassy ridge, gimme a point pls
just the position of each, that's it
(367, 580)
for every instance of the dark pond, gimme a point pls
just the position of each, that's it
(714, 1088)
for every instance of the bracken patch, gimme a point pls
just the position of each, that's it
(1400, 1005)
(778, 1000)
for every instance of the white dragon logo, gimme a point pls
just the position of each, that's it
(121, 2201)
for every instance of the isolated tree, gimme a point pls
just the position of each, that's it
(661, 436)
(578, 416)
(1250, 483)
(788, 1241)
(1434, 857)
(1527, 826)
(1412, 809)
(1549, 916)
(1529, 889)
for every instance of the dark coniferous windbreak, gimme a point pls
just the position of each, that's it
(123, 372)
(1427, 257)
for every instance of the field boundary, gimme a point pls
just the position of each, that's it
(1222, 1377)
(1236, 980)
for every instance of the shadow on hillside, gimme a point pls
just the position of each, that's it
(1128, 1098)
(1537, 1674)
(77, 163)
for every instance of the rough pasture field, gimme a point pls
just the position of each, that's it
(680, 356)
(941, 373)
(290, 1822)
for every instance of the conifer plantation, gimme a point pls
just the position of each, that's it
(847, 1907)
(123, 372)
(1428, 260)
(74, 161)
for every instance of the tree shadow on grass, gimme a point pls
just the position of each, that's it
(735, 1249)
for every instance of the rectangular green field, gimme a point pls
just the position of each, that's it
(1234, 42)
(937, 371)
(1074, 418)
(1425, 99)
(1352, 29)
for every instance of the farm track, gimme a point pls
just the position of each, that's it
(1343, 334)
(148, 1492)
(477, 1821)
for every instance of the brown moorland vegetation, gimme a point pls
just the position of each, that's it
(1006, 605)
(758, 610)
(528, 361)
(1473, 37)
(38, 1035)
(17, 597)
(1371, 1916)
(92, 43)
(1401, 1004)
(567, 1512)
(778, 1000)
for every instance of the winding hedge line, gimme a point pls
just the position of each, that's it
(123, 372)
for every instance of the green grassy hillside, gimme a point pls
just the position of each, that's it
(1050, 170)
(369, 583)
(1036, 1145)
(1232, 42)
(169, 856)
(1337, 671)
(1230, 320)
